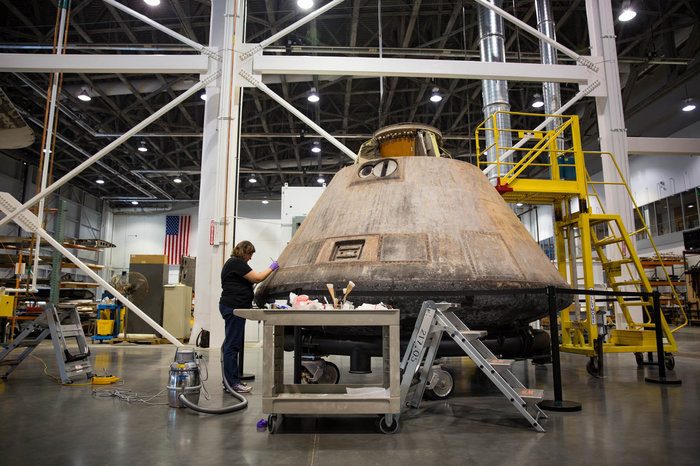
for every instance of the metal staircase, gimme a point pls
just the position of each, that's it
(417, 363)
(60, 324)
(540, 170)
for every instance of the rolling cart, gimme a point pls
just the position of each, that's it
(108, 329)
(279, 398)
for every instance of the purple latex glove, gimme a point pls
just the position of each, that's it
(274, 265)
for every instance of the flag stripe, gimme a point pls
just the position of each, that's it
(177, 237)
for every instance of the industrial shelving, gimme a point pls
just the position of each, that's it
(671, 309)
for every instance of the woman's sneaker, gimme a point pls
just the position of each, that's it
(242, 388)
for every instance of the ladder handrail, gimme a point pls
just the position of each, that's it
(565, 121)
(530, 156)
(645, 227)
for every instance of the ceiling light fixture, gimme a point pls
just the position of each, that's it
(203, 95)
(142, 147)
(84, 96)
(252, 179)
(305, 4)
(265, 201)
(100, 181)
(519, 204)
(537, 101)
(177, 179)
(152, 2)
(627, 13)
(316, 148)
(135, 202)
(320, 179)
(436, 97)
(688, 105)
(313, 96)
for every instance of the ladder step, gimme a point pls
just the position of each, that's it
(530, 394)
(71, 328)
(617, 263)
(637, 303)
(9, 362)
(27, 343)
(611, 240)
(473, 334)
(501, 364)
(627, 283)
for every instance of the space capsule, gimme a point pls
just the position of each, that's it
(407, 224)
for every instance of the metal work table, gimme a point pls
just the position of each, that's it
(279, 398)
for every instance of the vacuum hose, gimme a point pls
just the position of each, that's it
(226, 409)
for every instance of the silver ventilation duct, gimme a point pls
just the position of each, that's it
(551, 93)
(494, 91)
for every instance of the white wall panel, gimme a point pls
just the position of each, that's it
(145, 234)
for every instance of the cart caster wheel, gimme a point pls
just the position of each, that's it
(273, 423)
(639, 358)
(670, 361)
(388, 429)
(442, 384)
(592, 367)
(331, 374)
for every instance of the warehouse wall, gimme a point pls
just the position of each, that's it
(145, 234)
(653, 178)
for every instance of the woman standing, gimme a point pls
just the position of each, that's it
(237, 280)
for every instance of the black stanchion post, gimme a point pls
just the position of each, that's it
(661, 360)
(558, 403)
(297, 355)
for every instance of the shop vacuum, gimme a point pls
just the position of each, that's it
(185, 384)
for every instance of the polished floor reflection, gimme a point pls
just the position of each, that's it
(624, 420)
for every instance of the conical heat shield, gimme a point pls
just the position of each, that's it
(408, 229)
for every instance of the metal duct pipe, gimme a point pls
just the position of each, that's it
(494, 91)
(551, 92)
(141, 210)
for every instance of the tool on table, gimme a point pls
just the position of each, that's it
(332, 292)
(347, 291)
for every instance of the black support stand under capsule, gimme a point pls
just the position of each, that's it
(661, 360)
(558, 403)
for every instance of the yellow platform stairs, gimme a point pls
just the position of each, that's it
(548, 166)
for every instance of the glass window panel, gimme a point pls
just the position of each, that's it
(661, 209)
(690, 205)
(675, 212)
(638, 225)
(651, 219)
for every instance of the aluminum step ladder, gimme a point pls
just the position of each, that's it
(60, 324)
(434, 320)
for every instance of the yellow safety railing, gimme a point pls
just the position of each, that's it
(545, 152)
(644, 229)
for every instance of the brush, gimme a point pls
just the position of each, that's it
(332, 292)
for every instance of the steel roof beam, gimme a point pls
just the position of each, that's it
(100, 63)
(418, 68)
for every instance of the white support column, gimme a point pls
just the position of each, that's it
(611, 119)
(219, 180)
(611, 123)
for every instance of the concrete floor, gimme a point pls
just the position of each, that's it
(624, 420)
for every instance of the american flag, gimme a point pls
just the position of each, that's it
(177, 237)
